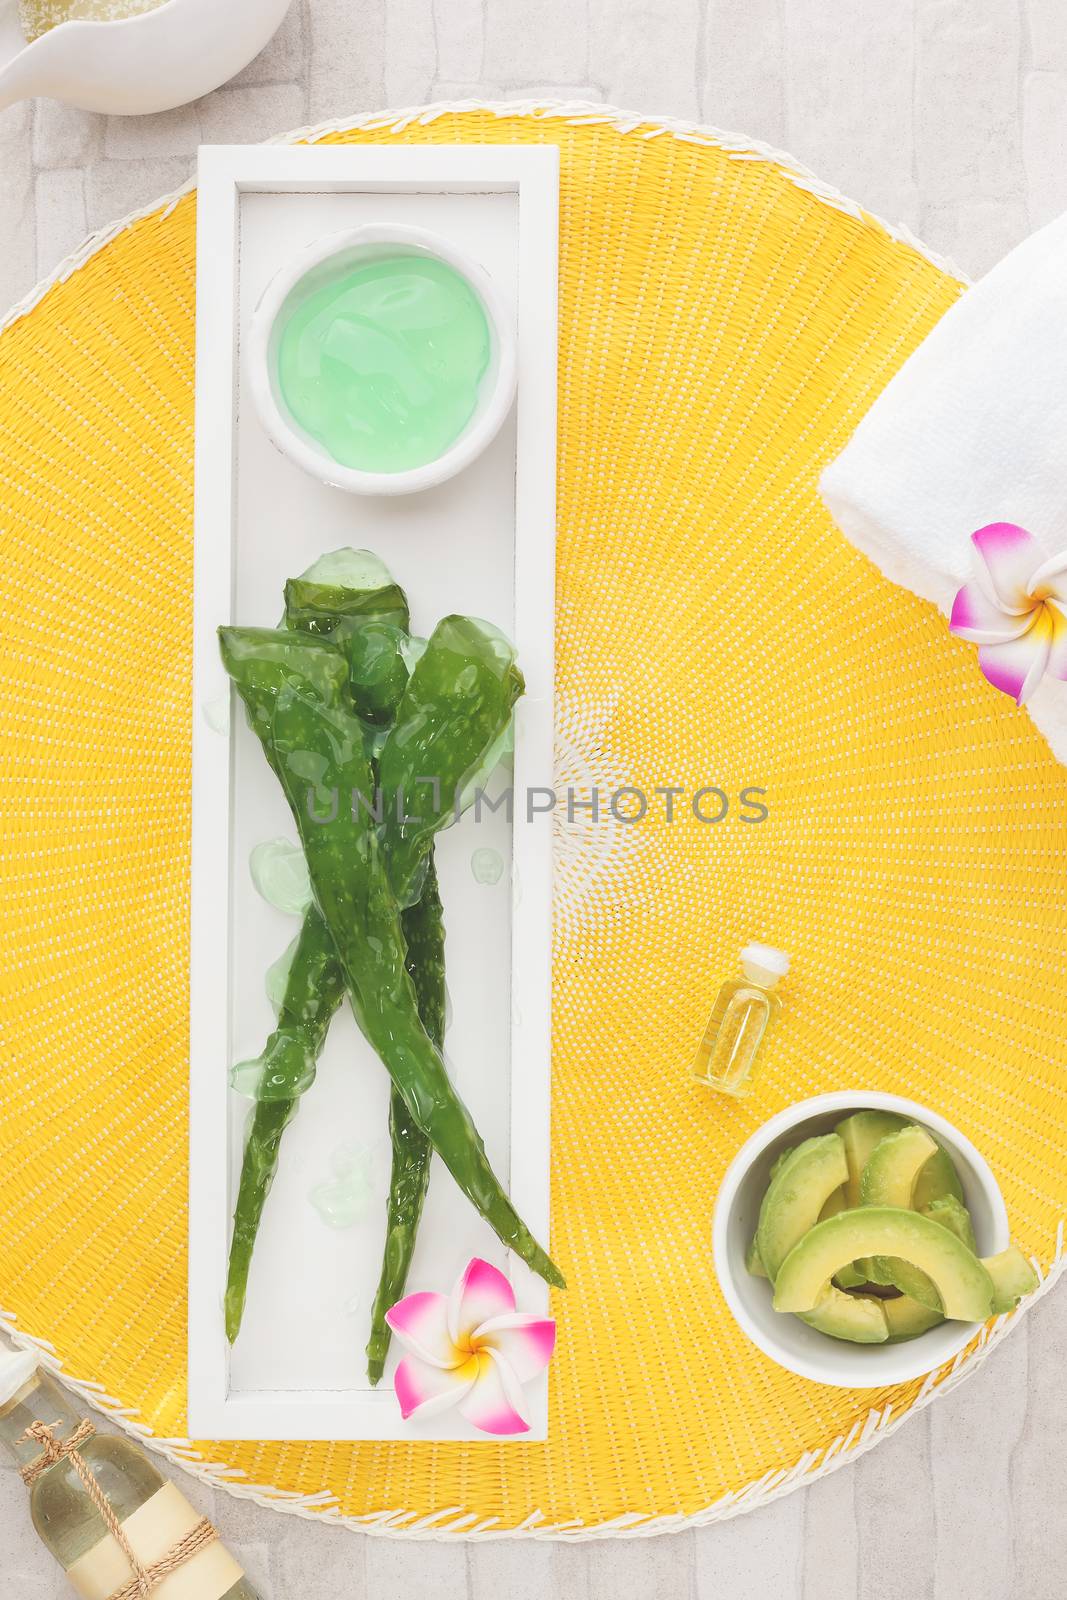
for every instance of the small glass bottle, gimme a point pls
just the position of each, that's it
(154, 1515)
(744, 1010)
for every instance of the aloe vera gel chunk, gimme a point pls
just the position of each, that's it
(382, 365)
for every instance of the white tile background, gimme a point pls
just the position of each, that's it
(949, 115)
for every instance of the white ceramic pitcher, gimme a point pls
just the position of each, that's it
(152, 62)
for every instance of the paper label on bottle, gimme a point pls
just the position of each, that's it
(152, 1532)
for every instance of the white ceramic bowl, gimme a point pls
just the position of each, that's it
(306, 272)
(787, 1340)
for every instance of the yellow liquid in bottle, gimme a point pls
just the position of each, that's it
(743, 1013)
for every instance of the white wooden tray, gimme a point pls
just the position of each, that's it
(482, 544)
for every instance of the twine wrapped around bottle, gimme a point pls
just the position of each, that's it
(145, 1579)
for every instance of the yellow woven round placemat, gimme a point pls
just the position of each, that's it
(724, 323)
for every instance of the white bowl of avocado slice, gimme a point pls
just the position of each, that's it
(878, 1231)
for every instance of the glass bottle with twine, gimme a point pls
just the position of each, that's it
(119, 1529)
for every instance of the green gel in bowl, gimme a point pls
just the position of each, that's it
(382, 364)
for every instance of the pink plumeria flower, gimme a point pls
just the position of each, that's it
(470, 1349)
(1015, 610)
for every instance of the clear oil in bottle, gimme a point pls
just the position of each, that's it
(746, 1007)
(153, 1513)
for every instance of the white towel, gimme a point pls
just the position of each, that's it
(971, 431)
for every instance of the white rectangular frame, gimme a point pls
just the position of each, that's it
(225, 173)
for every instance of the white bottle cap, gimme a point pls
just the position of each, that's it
(17, 1367)
(761, 963)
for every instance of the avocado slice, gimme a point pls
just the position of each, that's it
(946, 1209)
(796, 1195)
(894, 1165)
(860, 1133)
(780, 1160)
(964, 1285)
(1012, 1276)
(854, 1317)
(753, 1259)
(835, 1204)
(907, 1318)
(952, 1214)
(889, 1179)
(937, 1179)
(895, 1273)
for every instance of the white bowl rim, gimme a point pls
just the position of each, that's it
(475, 437)
(907, 1361)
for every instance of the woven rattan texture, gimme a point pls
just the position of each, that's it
(722, 330)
